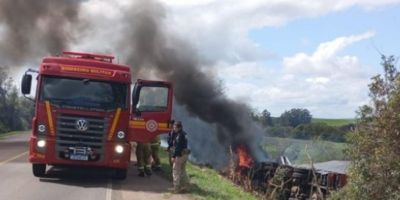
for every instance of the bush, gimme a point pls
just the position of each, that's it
(375, 166)
(295, 117)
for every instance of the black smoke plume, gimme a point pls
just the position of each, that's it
(31, 29)
(150, 49)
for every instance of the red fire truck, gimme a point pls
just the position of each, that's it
(86, 114)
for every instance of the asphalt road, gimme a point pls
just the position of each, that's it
(17, 181)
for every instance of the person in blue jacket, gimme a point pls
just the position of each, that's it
(179, 153)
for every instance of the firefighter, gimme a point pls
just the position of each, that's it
(143, 153)
(179, 158)
(155, 147)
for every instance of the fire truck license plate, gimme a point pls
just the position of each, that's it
(79, 157)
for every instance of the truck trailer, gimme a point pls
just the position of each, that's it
(86, 113)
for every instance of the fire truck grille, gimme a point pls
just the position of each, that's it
(70, 137)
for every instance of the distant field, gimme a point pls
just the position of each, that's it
(334, 122)
(295, 149)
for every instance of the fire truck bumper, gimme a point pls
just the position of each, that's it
(43, 151)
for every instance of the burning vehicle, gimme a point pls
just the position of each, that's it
(83, 114)
(280, 179)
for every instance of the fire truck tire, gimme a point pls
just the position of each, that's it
(39, 170)
(120, 174)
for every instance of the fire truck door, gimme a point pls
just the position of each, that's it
(151, 110)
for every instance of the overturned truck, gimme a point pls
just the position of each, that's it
(281, 180)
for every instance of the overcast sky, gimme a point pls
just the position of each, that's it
(276, 54)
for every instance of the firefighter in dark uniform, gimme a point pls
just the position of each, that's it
(143, 153)
(155, 147)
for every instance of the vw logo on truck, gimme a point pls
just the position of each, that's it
(81, 125)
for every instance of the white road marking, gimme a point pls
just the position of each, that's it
(109, 190)
(13, 158)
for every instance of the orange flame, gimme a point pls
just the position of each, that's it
(245, 159)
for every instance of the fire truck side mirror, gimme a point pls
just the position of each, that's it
(26, 84)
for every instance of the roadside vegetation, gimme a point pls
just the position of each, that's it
(16, 111)
(206, 183)
(375, 143)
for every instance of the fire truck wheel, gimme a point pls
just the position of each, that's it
(120, 174)
(39, 170)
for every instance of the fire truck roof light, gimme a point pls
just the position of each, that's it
(99, 57)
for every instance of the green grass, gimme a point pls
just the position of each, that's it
(4, 135)
(207, 183)
(295, 150)
(334, 122)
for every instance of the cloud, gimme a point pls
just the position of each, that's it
(327, 84)
(219, 29)
(324, 61)
(318, 80)
(243, 70)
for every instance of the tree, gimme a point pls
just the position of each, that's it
(375, 165)
(265, 118)
(5, 85)
(295, 116)
(15, 111)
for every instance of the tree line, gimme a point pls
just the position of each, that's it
(15, 111)
(297, 123)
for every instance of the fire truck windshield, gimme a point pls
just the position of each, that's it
(83, 93)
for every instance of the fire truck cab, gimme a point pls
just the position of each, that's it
(86, 115)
